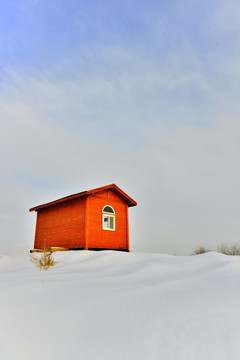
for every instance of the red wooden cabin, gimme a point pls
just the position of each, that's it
(93, 219)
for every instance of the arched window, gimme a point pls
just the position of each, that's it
(108, 218)
(108, 209)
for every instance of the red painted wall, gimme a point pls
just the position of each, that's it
(107, 239)
(61, 225)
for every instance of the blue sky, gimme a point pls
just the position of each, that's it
(143, 94)
(34, 34)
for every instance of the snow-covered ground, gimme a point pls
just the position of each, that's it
(120, 306)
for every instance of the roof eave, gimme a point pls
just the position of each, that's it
(121, 193)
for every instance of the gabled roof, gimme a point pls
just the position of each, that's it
(113, 187)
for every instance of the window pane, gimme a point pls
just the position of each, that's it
(111, 222)
(108, 209)
(106, 222)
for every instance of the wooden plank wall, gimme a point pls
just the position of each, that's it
(61, 225)
(107, 239)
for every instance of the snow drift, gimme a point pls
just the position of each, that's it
(120, 306)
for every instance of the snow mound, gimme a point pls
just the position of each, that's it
(120, 306)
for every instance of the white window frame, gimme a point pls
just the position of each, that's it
(109, 215)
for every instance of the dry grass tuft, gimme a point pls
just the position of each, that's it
(45, 261)
(200, 250)
(229, 249)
